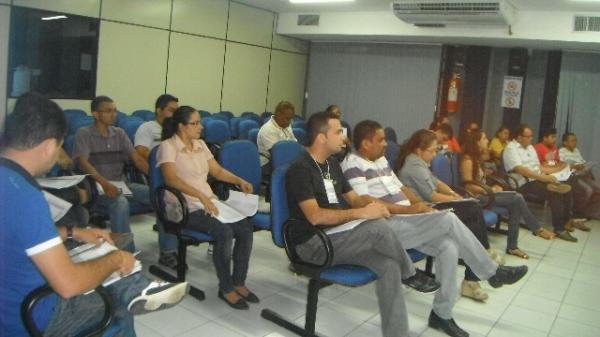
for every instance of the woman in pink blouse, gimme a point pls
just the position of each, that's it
(186, 162)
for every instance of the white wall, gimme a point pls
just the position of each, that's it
(212, 54)
(395, 85)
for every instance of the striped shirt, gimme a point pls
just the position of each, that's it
(374, 178)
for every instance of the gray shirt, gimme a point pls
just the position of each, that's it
(416, 174)
(107, 154)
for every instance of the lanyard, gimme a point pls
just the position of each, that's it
(324, 176)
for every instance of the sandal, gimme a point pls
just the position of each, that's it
(544, 234)
(518, 253)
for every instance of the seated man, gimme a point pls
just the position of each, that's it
(315, 186)
(278, 128)
(32, 249)
(102, 151)
(549, 157)
(520, 157)
(439, 234)
(148, 136)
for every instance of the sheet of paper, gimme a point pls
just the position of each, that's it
(563, 175)
(89, 251)
(58, 206)
(60, 182)
(246, 204)
(344, 227)
(118, 184)
(432, 213)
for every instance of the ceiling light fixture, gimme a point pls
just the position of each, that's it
(317, 1)
(57, 17)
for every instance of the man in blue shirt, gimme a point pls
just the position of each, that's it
(31, 246)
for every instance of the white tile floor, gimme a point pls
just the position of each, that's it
(558, 297)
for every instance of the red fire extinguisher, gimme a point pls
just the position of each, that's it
(453, 87)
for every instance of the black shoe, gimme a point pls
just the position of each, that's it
(239, 305)
(421, 282)
(250, 298)
(448, 326)
(565, 235)
(169, 260)
(507, 275)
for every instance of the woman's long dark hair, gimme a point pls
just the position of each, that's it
(470, 150)
(421, 139)
(170, 124)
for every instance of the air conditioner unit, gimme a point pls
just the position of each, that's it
(438, 13)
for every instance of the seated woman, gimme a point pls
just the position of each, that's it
(498, 144)
(471, 168)
(185, 162)
(412, 165)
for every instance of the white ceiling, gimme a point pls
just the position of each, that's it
(284, 6)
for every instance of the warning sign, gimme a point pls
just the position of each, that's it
(511, 92)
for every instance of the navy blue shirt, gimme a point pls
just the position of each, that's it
(26, 229)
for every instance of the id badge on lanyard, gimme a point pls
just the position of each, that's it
(330, 190)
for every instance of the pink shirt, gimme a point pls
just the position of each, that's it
(190, 166)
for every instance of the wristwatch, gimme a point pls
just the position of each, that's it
(69, 233)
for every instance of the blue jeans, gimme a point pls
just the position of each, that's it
(118, 208)
(77, 314)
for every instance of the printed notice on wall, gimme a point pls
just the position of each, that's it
(511, 92)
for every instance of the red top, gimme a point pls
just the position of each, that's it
(547, 155)
(453, 145)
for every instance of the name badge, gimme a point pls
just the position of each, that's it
(390, 185)
(330, 190)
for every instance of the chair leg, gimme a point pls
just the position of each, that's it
(429, 266)
(311, 313)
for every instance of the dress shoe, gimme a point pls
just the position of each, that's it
(581, 226)
(507, 275)
(250, 298)
(421, 282)
(448, 326)
(565, 235)
(240, 304)
(472, 289)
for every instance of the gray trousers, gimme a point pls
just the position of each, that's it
(373, 244)
(445, 237)
(517, 210)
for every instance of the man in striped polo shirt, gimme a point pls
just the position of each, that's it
(436, 233)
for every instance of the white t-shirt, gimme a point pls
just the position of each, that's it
(269, 134)
(571, 157)
(148, 135)
(516, 155)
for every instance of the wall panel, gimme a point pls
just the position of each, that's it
(206, 17)
(79, 7)
(153, 13)
(286, 76)
(250, 25)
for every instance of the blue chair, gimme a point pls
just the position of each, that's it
(391, 154)
(253, 135)
(348, 128)
(298, 118)
(300, 135)
(320, 275)
(229, 114)
(204, 113)
(390, 135)
(78, 122)
(240, 157)
(146, 115)
(174, 221)
(130, 126)
(205, 120)
(245, 126)
(120, 115)
(225, 118)
(266, 114)
(284, 152)
(124, 120)
(265, 120)
(234, 126)
(299, 124)
(68, 144)
(216, 131)
(252, 115)
(72, 114)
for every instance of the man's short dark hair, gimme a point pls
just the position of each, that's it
(549, 132)
(447, 130)
(318, 123)
(163, 100)
(566, 136)
(33, 120)
(364, 130)
(284, 106)
(520, 130)
(97, 101)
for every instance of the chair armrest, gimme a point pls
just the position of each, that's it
(159, 204)
(488, 196)
(30, 301)
(221, 189)
(507, 181)
(291, 229)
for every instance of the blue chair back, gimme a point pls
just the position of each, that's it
(240, 157)
(234, 126)
(279, 204)
(284, 152)
(390, 135)
(300, 135)
(226, 113)
(216, 131)
(252, 115)
(146, 115)
(440, 166)
(391, 154)
(125, 120)
(245, 126)
(266, 114)
(225, 118)
(265, 120)
(71, 114)
(120, 115)
(130, 126)
(79, 122)
(155, 175)
(253, 135)
(68, 144)
(298, 118)
(454, 166)
(204, 113)
(299, 124)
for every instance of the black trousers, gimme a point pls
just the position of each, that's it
(561, 205)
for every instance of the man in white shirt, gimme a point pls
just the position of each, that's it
(148, 134)
(278, 128)
(521, 159)
(439, 234)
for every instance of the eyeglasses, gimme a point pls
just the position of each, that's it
(196, 123)
(108, 110)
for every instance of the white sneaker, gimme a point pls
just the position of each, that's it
(158, 295)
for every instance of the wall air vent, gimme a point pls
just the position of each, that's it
(308, 20)
(432, 12)
(587, 24)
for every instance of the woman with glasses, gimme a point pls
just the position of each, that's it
(412, 166)
(185, 162)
